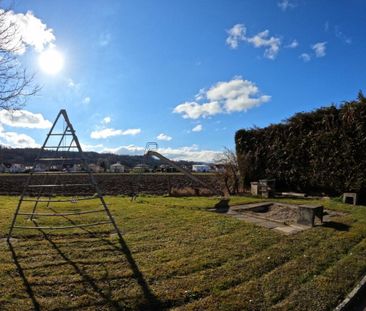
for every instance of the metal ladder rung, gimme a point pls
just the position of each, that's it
(63, 147)
(62, 185)
(62, 214)
(61, 134)
(60, 201)
(64, 227)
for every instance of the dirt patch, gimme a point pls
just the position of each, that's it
(279, 213)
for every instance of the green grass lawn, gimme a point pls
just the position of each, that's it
(175, 254)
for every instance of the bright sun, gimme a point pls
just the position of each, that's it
(51, 61)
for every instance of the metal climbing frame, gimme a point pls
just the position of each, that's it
(60, 149)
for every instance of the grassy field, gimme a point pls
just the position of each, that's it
(177, 255)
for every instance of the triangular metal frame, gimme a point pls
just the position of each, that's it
(74, 145)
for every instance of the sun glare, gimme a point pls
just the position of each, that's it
(51, 61)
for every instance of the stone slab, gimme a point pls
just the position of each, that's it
(287, 230)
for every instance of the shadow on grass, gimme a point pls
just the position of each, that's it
(27, 286)
(222, 206)
(149, 300)
(336, 226)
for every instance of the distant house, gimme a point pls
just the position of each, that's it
(117, 168)
(95, 168)
(17, 168)
(141, 168)
(39, 168)
(201, 168)
(166, 168)
(28, 169)
(3, 168)
(76, 168)
(55, 168)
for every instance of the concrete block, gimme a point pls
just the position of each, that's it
(307, 214)
(350, 196)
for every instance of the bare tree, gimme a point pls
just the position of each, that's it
(15, 83)
(228, 171)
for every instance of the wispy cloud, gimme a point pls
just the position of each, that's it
(223, 97)
(305, 57)
(109, 132)
(197, 128)
(104, 39)
(86, 100)
(188, 153)
(294, 44)
(319, 49)
(326, 26)
(271, 44)
(30, 31)
(340, 35)
(163, 136)
(286, 4)
(106, 120)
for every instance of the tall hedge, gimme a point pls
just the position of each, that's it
(322, 151)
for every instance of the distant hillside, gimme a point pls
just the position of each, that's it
(27, 156)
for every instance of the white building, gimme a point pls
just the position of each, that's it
(201, 168)
(17, 168)
(117, 168)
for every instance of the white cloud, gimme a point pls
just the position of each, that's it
(271, 44)
(163, 136)
(197, 128)
(261, 40)
(236, 34)
(109, 132)
(292, 45)
(193, 110)
(30, 31)
(286, 4)
(86, 100)
(96, 148)
(23, 118)
(106, 120)
(305, 57)
(192, 153)
(16, 140)
(319, 49)
(129, 150)
(224, 97)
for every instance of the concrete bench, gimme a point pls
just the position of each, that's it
(307, 214)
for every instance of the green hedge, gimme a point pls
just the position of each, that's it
(322, 151)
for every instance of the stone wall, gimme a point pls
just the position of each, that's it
(111, 184)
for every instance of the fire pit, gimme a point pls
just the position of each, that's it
(282, 212)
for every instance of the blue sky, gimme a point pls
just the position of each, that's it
(187, 74)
